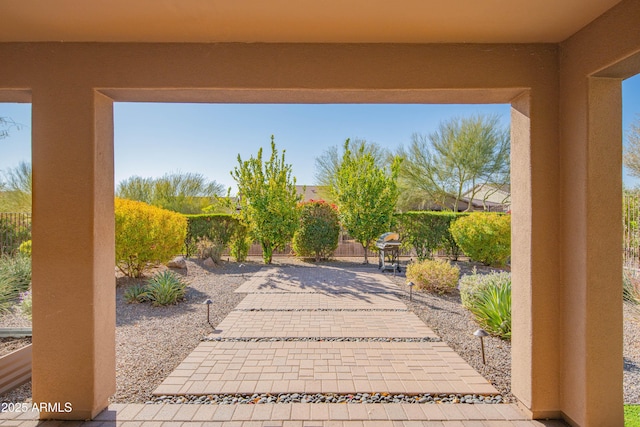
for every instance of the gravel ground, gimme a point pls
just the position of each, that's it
(152, 341)
(631, 353)
(8, 345)
(453, 323)
(445, 315)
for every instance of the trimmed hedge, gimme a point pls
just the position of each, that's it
(427, 231)
(222, 229)
(484, 237)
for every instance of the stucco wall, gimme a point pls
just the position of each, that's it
(565, 267)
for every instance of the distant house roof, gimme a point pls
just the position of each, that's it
(493, 197)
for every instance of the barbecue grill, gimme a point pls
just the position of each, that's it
(389, 251)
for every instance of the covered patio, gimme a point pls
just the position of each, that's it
(559, 65)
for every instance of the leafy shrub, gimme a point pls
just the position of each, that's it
(317, 235)
(14, 229)
(630, 288)
(207, 249)
(437, 276)
(8, 294)
(217, 228)
(165, 288)
(15, 277)
(240, 243)
(484, 237)
(427, 231)
(26, 303)
(471, 285)
(136, 294)
(146, 234)
(18, 267)
(25, 248)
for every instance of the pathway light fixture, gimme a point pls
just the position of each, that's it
(208, 303)
(481, 333)
(411, 285)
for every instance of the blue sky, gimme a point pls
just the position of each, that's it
(154, 139)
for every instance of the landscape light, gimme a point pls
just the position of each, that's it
(481, 333)
(208, 302)
(411, 285)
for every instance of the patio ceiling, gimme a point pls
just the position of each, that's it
(328, 21)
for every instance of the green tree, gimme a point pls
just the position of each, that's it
(461, 157)
(268, 200)
(366, 195)
(319, 230)
(16, 185)
(329, 162)
(187, 193)
(136, 188)
(631, 156)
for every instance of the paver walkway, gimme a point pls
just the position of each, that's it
(323, 302)
(294, 415)
(364, 306)
(297, 324)
(284, 303)
(324, 367)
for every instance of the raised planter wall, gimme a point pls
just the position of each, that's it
(15, 369)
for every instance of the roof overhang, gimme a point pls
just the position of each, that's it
(298, 21)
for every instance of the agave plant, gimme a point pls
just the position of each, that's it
(492, 309)
(165, 288)
(136, 294)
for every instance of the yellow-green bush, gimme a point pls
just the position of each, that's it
(25, 248)
(146, 235)
(484, 237)
(437, 276)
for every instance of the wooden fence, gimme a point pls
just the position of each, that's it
(347, 248)
(15, 228)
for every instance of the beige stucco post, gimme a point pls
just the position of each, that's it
(592, 260)
(73, 250)
(535, 257)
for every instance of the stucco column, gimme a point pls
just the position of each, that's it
(591, 139)
(534, 255)
(73, 251)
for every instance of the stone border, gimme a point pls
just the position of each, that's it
(320, 398)
(320, 339)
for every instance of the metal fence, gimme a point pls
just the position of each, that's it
(630, 222)
(15, 228)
